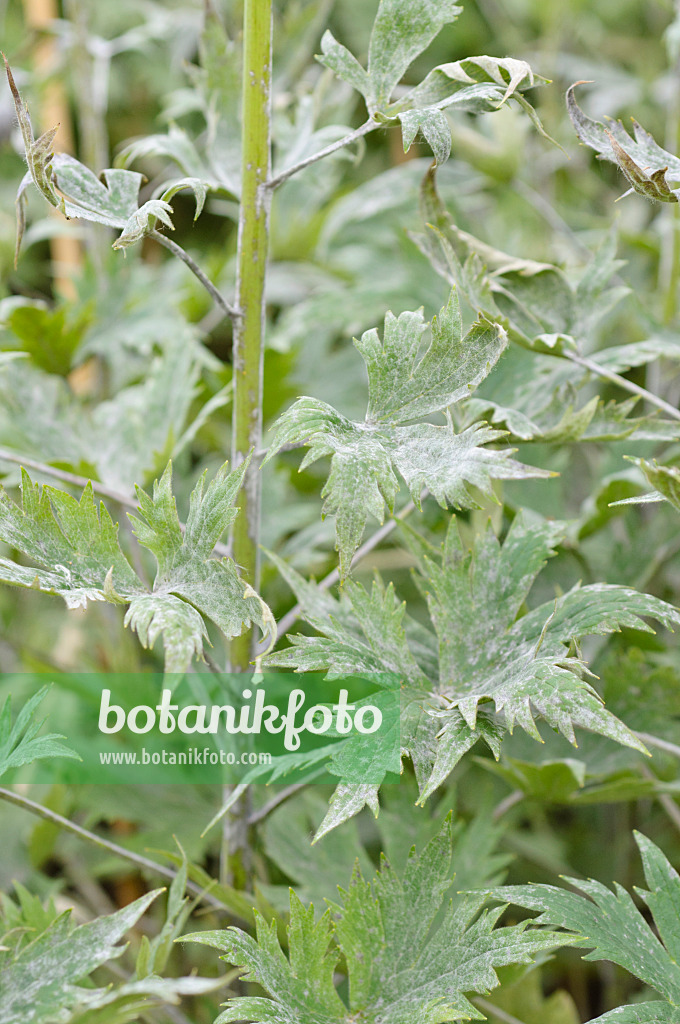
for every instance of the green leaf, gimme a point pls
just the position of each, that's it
(124, 439)
(408, 955)
(475, 83)
(543, 310)
(647, 167)
(611, 926)
(665, 480)
(401, 31)
(142, 221)
(20, 743)
(433, 125)
(79, 558)
(489, 654)
(186, 569)
(345, 65)
(77, 192)
(196, 185)
(639, 1013)
(402, 386)
(315, 870)
(40, 982)
(74, 545)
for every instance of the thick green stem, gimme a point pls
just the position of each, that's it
(248, 358)
(249, 328)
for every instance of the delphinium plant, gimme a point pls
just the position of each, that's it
(122, 392)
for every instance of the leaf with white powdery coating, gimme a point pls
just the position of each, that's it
(644, 163)
(408, 955)
(75, 548)
(404, 385)
(486, 667)
(47, 979)
(611, 926)
(186, 570)
(77, 192)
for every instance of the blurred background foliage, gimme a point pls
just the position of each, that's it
(123, 363)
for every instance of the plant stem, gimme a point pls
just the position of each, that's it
(358, 133)
(68, 478)
(627, 385)
(284, 794)
(248, 363)
(285, 623)
(660, 744)
(104, 844)
(179, 252)
(496, 1011)
(249, 327)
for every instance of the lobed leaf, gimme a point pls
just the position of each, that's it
(486, 667)
(404, 385)
(78, 557)
(611, 926)
(648, 168)
(408, 955)
(76, 191)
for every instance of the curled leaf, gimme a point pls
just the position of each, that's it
(143, 221)
(649, 168)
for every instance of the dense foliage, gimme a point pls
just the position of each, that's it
(431, 291)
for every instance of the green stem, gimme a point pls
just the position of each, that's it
(627, 385)
(670, 305)
(248, 361)
(249, 328)
(104, 844)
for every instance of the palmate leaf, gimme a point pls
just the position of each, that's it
(186, 570)
(611, 926)
(486, 668)
(20, 743)
(648, 168)
(404, 385)
(75, 548)
(409, 957)
(39, 984)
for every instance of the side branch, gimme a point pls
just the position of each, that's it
(104, 844)
(364, 129)
(179, 252)
(627, 385)
(332, 578)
